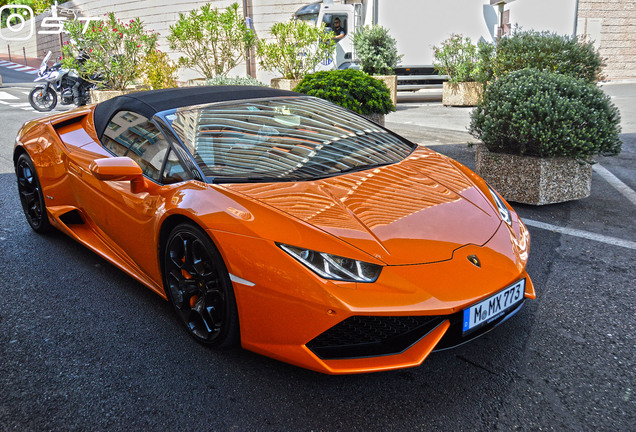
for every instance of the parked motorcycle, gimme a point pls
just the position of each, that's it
(43, 97)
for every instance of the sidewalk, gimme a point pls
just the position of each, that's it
(431, 123)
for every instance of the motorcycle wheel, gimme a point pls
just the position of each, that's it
(42, 100)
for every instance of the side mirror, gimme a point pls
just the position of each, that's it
(116, 169)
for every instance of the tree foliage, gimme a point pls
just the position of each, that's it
(213, 42)
(297, 48)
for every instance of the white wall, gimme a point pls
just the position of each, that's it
(418, 25)
(554, 15)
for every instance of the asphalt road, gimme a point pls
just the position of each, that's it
(85, 347)
(10, 76)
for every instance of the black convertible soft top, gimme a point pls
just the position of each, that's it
(148, 103)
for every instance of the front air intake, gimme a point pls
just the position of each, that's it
(371, 336)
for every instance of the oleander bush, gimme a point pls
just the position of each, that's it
(296, 49)
(111, 49)
(351, 89)
(376, 50)
(549, 52)
(213, 41)
(458, 58)
(537, 113)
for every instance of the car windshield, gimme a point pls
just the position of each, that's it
(282, 139)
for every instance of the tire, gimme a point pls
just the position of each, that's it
(31, 195)
(42, 101)
(198, 286)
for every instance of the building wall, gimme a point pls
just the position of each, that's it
(611, 24)
(417, 25)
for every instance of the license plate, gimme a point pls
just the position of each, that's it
(493, 307)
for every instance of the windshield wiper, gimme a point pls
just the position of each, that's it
(351, 170)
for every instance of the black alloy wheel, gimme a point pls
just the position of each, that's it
(199, 287)
(31, 195)
(42, 100)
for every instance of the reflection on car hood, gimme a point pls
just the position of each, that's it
(417, 211)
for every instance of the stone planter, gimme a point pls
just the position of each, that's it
(377, 118)
(98, 96)
(391, 82)
(284, 83)
(462, 94)
(533, 180)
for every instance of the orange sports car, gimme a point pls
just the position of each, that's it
(282, 221)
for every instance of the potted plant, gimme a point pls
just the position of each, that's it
(458, 58)
(296, 49)
(377, 52)
(213, 42)
(540, 131)
(351, 89)
(111, 50)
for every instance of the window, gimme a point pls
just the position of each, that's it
(132, 135)
(174, 172)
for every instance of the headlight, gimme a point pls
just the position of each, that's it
(501, 206)
(333, 266)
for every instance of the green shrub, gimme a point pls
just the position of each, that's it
(536, 113)
(235, 81)
(376, 50)
(297, 48)
(213, 42)
(351, 89)
(158, 71)
(549, 52)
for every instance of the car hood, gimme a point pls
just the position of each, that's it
(417, 211)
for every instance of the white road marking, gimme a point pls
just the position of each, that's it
(14, 66)
(627, 192)
(5, 95)
(582, 234)
(24, 68)
(20, 105)
(4, 103)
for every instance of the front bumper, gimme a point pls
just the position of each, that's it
(288, 313)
